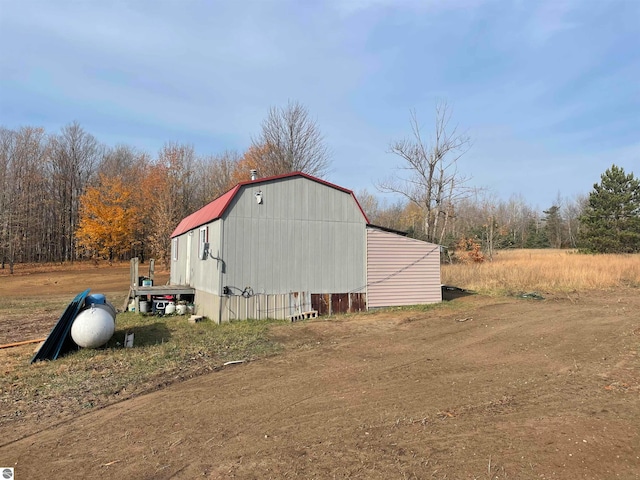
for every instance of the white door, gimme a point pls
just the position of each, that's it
(187, 273)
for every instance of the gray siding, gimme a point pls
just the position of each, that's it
(305, 236)
(281, 306)
(401, 270)
(203, 274)
(179, 265)
(206, 273)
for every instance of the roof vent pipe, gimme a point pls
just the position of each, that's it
(254, 174)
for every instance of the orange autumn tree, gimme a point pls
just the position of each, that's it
(469, 250)
(107, 219)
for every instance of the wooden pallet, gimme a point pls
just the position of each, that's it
(303, 315)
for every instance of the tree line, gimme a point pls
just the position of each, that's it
(66, 196)
(439, 204)
(606, 220)
(492, 222)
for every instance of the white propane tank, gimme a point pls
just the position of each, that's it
(94, 326)
(170, 309)
(112, 310)
(181, 309)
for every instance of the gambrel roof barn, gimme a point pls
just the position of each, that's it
(281, 246)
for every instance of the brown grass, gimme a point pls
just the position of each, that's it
(513, 271)
(20, 269)
(166, 350)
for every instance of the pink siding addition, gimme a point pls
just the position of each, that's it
(401, 270)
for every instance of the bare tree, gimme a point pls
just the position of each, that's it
(180, 162)
(23, 199)
(429, 176)
(571, 211)
(7, 197)
(121, 161)
(216, 175)
(291, 141)
(171, 181)
(370, 205)
(74, 156)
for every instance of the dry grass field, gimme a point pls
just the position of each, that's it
(516, 271)
(489, 386)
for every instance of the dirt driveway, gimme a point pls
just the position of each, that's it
(520, 389)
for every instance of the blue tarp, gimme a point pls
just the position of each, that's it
(59, 340)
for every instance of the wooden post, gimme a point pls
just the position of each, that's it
(125, 307)
(133, 271)
(152, 267)
(133, 280)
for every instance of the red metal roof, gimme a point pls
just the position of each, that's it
(216, 208)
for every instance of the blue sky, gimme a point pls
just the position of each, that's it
(549, 90)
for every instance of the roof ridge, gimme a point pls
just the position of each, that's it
(216, 208)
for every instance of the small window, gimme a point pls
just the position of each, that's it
(174, 247)
(204, 243)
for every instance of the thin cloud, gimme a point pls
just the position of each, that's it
(551, 18)
(353, 7)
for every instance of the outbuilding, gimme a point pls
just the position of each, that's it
(291, 245)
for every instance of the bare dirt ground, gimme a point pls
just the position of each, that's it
(478, 388)
(48, 290)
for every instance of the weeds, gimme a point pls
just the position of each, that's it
(516, 271)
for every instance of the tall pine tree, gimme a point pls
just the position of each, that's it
(553, 226)
(611, 220)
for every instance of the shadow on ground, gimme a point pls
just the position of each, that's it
(150, 334)
(451, 293)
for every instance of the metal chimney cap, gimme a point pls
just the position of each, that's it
(254, 174)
